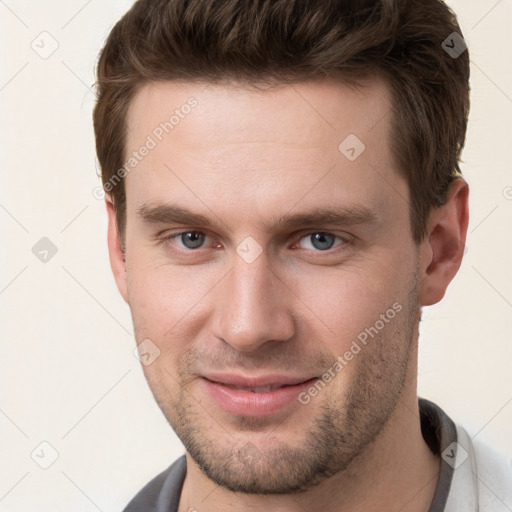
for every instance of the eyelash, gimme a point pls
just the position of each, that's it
(346, 242)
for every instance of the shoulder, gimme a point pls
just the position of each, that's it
(162, 493)
(482, 478)
(494, 474)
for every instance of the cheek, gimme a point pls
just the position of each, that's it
(165, 300)
(345, 302)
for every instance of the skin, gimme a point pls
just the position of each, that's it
(244, 158)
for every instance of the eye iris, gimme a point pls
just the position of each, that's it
(195, 239)
(320, 238)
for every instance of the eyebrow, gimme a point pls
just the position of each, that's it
(336, 215)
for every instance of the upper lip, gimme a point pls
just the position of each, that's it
(274, 380)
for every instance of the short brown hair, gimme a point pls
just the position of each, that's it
(289, 41)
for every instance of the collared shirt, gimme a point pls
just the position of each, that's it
(473, 477)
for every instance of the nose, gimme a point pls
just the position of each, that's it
(254, 306)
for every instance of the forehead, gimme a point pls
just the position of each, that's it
(271, 146)
(229, 112)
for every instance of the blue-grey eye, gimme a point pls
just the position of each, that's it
(192, 239)
(321, 241)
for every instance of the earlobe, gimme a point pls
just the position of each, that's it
(444, 244)
(116, 255)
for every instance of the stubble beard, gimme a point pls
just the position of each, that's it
(345, 422)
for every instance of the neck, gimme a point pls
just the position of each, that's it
(397, 471)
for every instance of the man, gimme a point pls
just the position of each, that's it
(284, 196)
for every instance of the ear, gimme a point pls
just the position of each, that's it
(117, 262)
(443, 246)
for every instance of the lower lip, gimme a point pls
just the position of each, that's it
(249, 403)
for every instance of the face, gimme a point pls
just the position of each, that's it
(261, 285)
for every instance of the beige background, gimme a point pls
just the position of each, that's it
(67, 372)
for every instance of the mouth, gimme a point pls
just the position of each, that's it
(246, 397)
(259, 389)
